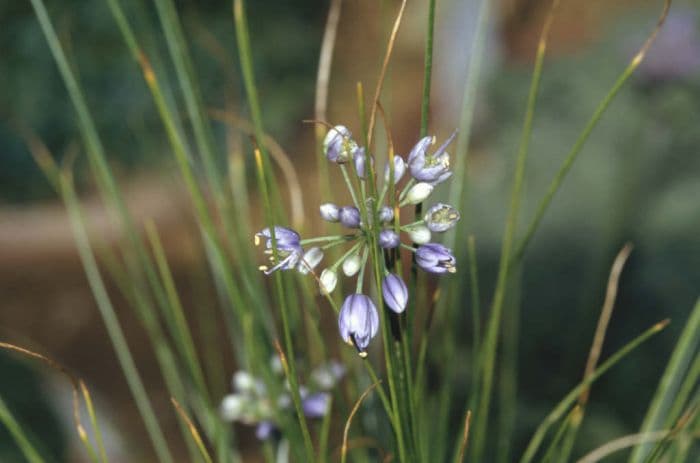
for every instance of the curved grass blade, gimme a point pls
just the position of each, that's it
(573, 395)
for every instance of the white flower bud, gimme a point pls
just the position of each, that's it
(329, 278)
(418, 193)
(232, 407)
(420, 234)
(330, 212)
(351, 265)
(310, 260)
(243, 381)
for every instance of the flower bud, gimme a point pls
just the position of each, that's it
(330, 212)
(232, 407)
(395, 293)
(386, 214)
(388, 239)
(328, 280)
(399, 169)
(419, 193)
(420, 234)
(351, 265)
(350, 216)
(435, 258)
(265, 430)
(243, 381)
(441, 217)
(316, 405)
(358, 321)
(338, 146)
(310, 260)
(360, 160)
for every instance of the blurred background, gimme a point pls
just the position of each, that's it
(637, 180)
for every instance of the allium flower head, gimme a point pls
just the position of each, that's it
(431, 168)
(435, 258)
(441, 217)
(395, 293)
(338, 145)
(358, 321)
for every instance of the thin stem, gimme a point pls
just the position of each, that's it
(491, 341)
(350, 186)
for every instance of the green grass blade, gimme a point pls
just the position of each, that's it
(21, 439)
(458, 184)
(427, 70)
(190, 90)
(492, 334)
(685, 352)
(583, 137)
(112, 324)
(179, 327)
(572, 396)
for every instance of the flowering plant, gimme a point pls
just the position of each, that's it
(422, 373)
(373, 225)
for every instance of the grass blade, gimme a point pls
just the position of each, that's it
(683, 354)
(492, 334)
(23, 442)
(571, 397)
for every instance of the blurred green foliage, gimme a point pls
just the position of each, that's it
(287, 39)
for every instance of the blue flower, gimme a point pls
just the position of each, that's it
(386, 214)
(338, 146)
(287, 245)
(399, 169)
(430, 168)
(435, 258)
(350, 216)
(441, 217)
(358, 321)
(316, 405)
(360, 160)
(388, 239)
(265, 430)
(395, 293)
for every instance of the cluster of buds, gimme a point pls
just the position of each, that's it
(251, 402)
(370, 222)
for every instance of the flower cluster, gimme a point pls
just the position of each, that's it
(252, 404)
(370, 222)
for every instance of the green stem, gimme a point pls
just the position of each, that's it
(492, 334)
(572, 396)
(19, 435)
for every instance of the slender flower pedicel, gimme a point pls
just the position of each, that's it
(372, 227)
